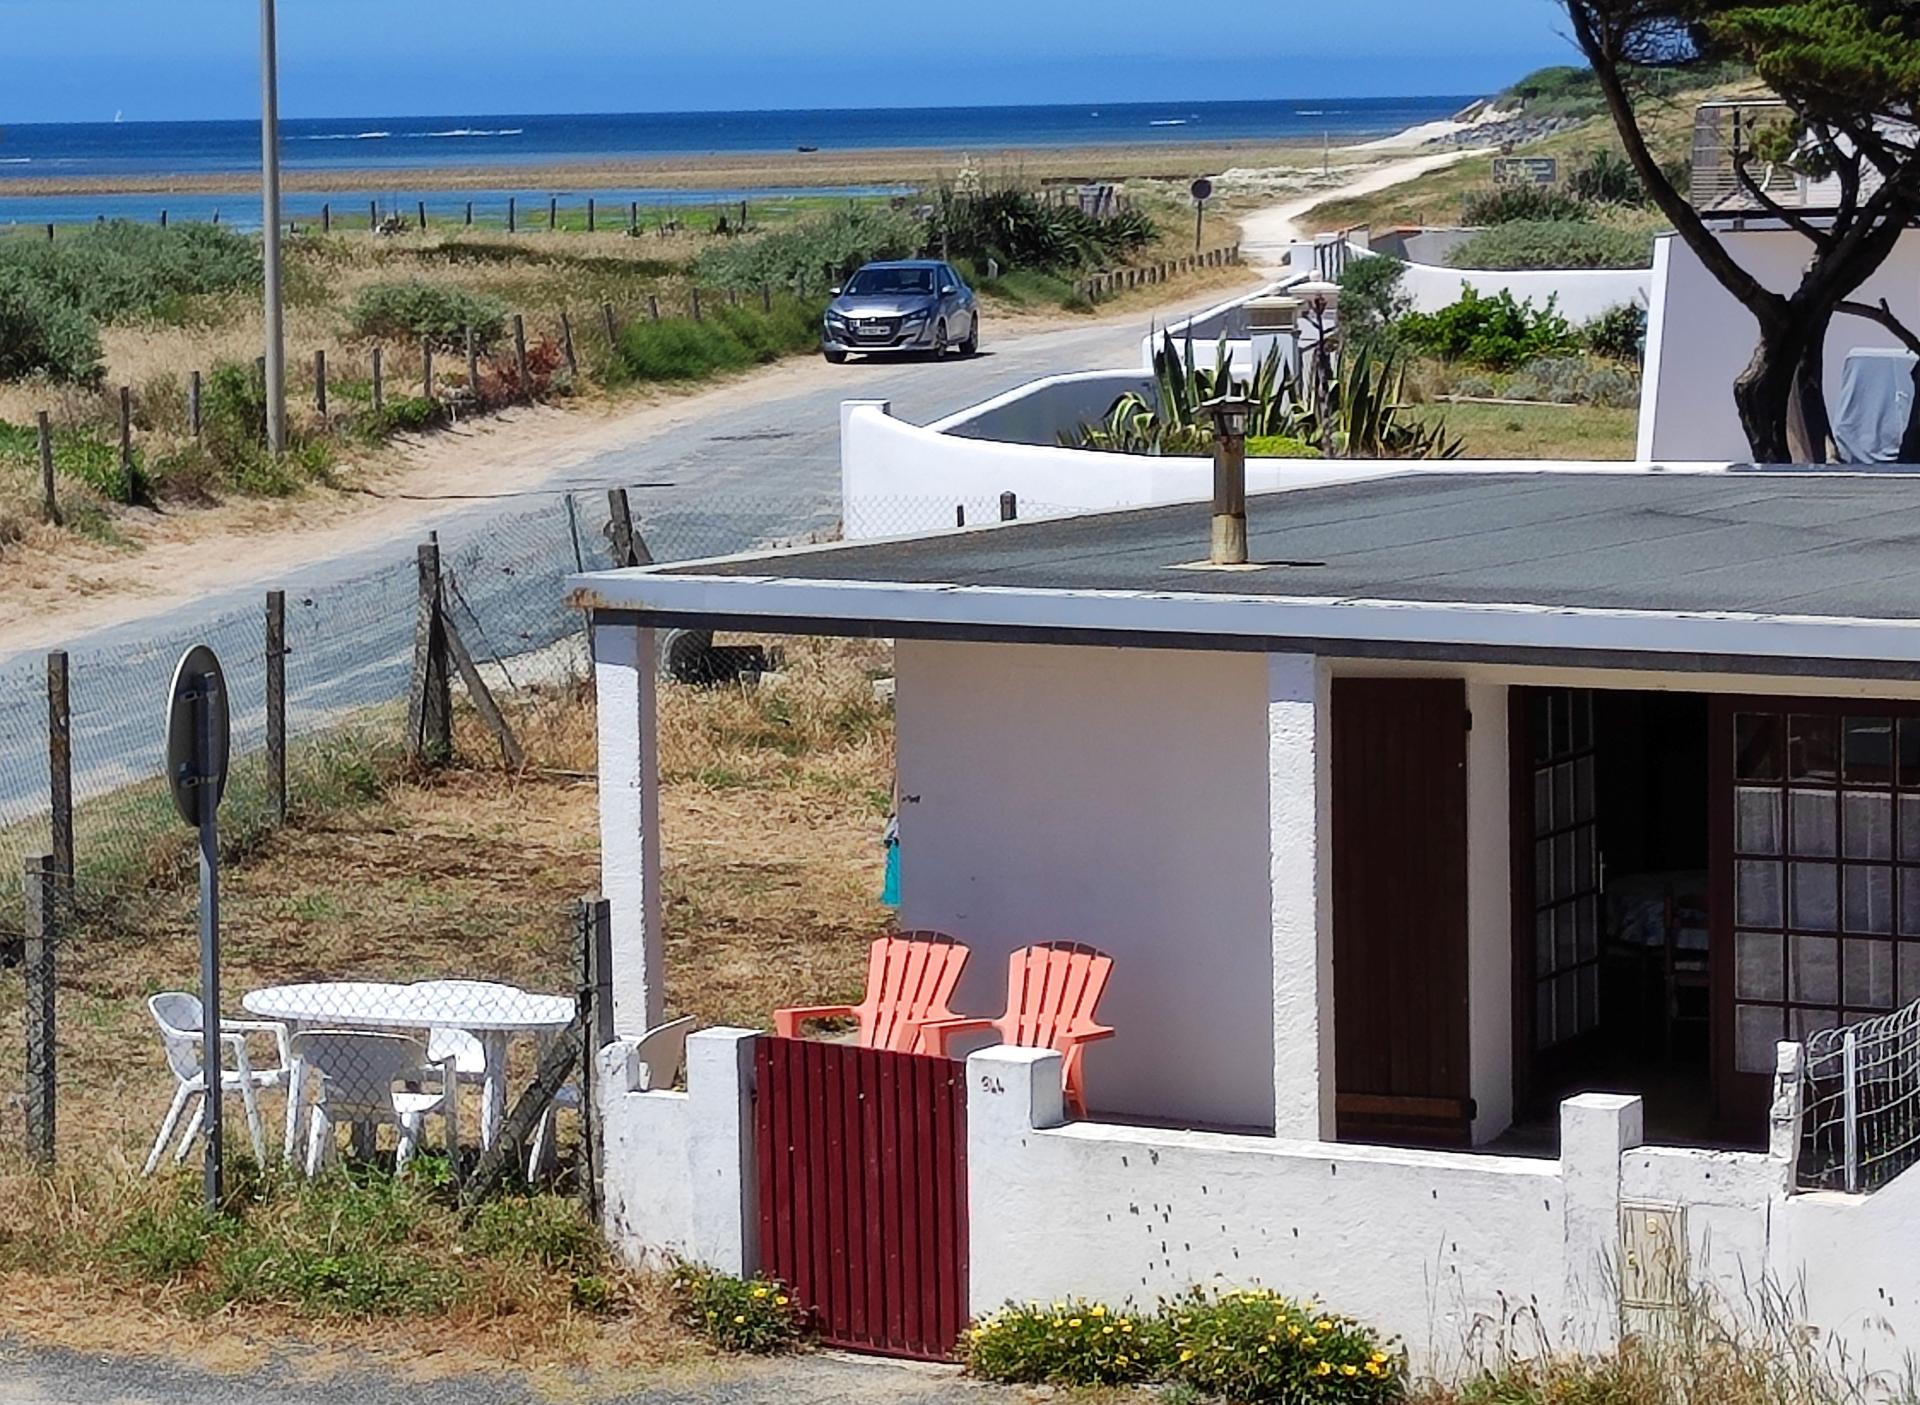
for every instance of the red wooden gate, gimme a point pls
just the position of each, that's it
(863, 1192)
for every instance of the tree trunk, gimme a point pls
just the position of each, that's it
(1910, 440)
(1809, 425)
(1763, 392)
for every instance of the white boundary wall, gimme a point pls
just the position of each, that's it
(1699, 338)
(1580, 294)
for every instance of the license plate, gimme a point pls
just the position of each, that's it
(875, 329)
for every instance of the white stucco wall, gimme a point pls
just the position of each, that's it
(1040, 411)
(1580, 294)
(1700, 338)
(1111, 796)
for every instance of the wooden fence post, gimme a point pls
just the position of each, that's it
(629, 547)
(520, 357)
(126, 443)
(696, 304)
(633, 217)
(553, 213)
(959, 514)
(426, 368)
(590, 228)
(421, 209)
(653, 306)
(44, 912)
(469, 214)
(373, 214)
(566, 343)
(473, 367)
(326, 219)
(510, 210)
(1009, 507)
(49, 503)
(277, 704)
(320, 383)
(163, 219)
(193, 403)
(60, 767)
(379, 388)
(766, 297)
(430, 695)
(593, 957)
(613, 327)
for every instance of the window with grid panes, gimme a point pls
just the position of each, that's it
(1826, 873)
(1566, 867)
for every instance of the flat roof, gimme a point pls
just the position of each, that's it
(1751, 546)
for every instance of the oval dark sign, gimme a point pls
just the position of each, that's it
(1202, 189)
(189, 766)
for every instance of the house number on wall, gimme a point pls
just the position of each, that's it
(990, 1084)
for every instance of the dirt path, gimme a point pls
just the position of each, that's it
(1265, 234)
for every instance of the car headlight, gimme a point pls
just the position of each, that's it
(915, 319)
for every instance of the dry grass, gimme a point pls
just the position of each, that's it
(773, 800)
(1542, 431)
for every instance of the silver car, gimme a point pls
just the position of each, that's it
(910, 305)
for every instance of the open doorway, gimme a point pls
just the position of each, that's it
(1613, 966)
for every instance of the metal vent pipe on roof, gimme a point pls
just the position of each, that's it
(1229, 413)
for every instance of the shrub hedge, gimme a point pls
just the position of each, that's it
(755, 1315)
(1553, 243)
(1493, 331)
(730, 339)
(415, 308)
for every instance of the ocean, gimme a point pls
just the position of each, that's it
(148, 151)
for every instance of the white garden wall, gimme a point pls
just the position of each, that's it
(1040, 411)
(1579, 294)
(1699, 337)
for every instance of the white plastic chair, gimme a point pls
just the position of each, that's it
(654, 1062)
(354, 1074)
(179, 1016)
(446, 1042)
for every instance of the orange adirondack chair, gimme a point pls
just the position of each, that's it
(1052, 991)
(910, 979)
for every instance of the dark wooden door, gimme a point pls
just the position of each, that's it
(1400, 910)
(862, 1160)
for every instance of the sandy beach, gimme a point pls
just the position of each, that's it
(724, 170)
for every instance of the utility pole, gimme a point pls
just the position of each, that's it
(276, 376)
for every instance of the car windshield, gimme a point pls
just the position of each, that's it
(891, 280)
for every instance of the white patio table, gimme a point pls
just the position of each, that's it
(492, 1013)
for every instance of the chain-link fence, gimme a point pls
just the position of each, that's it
(364, 990)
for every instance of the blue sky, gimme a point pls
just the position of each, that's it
(83, 60)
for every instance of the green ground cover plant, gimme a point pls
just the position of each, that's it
(753, 1315)
(415, 308)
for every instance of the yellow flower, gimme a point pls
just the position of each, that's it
(1350, 1370)
(1323, 1369)
(1121, 1359)
(1378, 1358)
(1294, 1330)
(1098, 1310)
(1263, 1351)
(1127, 1327)
(1309, 1340)
(1059, 1321)
(739, 1317)
(1073, 1322)
(781, 1301)
(1187, 1354)
(759, 1292)
(1323, 1325)
(1106, 1331)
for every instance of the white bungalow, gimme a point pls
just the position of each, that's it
(1473, 863)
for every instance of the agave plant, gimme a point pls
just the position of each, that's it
(1365, 414)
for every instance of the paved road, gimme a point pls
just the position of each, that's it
(732, 477)
(37, 1377)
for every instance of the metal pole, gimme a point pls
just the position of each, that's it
(270, 230)
(210, 1061)
(1850, 1108)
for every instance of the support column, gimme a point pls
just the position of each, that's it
(624, 676)
(1299, 696)
(1596, 1129)
(720, 1149)
(1011, 1093)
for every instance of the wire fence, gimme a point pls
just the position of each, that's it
(432, 1018)
(1861, 1123)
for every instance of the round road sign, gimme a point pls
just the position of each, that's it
(189, 765)
(1202, 189)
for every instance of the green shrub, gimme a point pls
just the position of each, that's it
(231, 453)
(1258, 1346)
(754, 1315)
(538, 1229)
(40, 334)
(1503, 204)
(1571, 380)
(814, 254)
(1606, 177)
(1280, 446)
(404, 414)
(123, 271)
(1494, 331)
(418, 309)
(731, 339)
(1072, 1343)
(1370, 296)
(1620, 332)
(1554, 243)
(77, 454)
(1019, 230)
